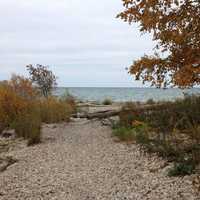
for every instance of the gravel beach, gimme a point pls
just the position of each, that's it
(81, 160)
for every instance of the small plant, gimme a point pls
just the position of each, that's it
(107, 102)
(70, 100)
(124, 134)
(142, 138)
(138, 132)
(150, 101)
(181, 169)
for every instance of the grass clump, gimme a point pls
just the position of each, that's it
(173, 130)
(124, 133)
(23, 109)
(107, 101)
(17, 107)
(135, 133)
(28, 125)
(54, 110)
(181, 169)
(150, 101)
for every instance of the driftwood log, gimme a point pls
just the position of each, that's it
(98, 115)
(103, 114)
(110, 113)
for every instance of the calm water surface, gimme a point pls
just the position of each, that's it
(125, 94)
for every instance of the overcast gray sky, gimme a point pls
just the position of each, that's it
(82, 41)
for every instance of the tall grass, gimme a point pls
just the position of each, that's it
(55, 110)
(173, 133)
(22, 109)
(28, 124)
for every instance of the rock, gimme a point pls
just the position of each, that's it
(115, 120)
(106, 122)
(4, 146)
(112, 121)
(8, 133)
(196, 183)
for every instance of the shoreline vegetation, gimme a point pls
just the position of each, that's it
(26, 103)
(169, 129)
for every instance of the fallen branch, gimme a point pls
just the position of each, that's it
(102, 115)
(98, 115)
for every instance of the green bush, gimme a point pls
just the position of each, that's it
(181, 169)
(107, 101)
(124, 134)
(150, 101)
(137, 133)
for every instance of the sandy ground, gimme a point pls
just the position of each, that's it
(80, 161)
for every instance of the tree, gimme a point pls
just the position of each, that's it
(175, 25)
(43, 78)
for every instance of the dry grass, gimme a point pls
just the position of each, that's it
(174, 131)
(22, 109)
(54, 110)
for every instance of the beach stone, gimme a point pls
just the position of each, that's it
(106, 122)
(8, 133)
(83, 162)
(112, 121)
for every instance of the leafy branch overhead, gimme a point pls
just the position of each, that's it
(175, 25)
(43, 78)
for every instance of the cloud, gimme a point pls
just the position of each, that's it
(76, 38)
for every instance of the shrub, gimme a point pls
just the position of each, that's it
(138, 132)
(28, 124)
(10, 105)
(124, 134)
(181, 169)
(23, 87)
(142, 138)
(43, 78)
(129, 113)
(18, 110)
(174, 131)
(22, 109)
(107, 101)
(150, 101)
(70, 100)
(55, 110)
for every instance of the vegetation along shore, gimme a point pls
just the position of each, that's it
(57, 147)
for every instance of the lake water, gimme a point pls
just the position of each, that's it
(125, 94)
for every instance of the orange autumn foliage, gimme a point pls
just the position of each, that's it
(175, 25)
(23, 87)
(15, 96)
(23, 109)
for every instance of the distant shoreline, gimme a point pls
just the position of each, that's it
(123, 94)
